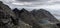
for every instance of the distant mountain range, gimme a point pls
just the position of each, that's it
(26, 19)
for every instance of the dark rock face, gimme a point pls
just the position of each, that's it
(43, 14)
(16, 11)
(58, 24)
(28, 18)
(25, 19)
(37, 18)
(5, 17)
(8, 18)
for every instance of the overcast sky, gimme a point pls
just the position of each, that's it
(31, 4)
(49, 4)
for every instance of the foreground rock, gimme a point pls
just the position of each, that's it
(8, 18)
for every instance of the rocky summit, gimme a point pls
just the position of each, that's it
(26, 19)
(43, 14)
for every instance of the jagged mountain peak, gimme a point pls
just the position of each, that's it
(34, 10)
(10, 19)
(16, 10)
(44, 14)
(43, 10)
(23, 10)
(40, 10)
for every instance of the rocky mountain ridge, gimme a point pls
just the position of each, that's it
(25, 19)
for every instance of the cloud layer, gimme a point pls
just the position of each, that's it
(33, 3)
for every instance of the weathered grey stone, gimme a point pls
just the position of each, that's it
(43, 14)
(8, 18)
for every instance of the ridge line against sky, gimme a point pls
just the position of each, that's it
(51, 5)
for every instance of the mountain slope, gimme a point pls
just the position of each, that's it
(43, 14)
(37, 18)
(8, 18)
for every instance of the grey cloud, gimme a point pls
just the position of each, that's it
(57, 2)
(34, 3)
(32, 0)
(26, 0)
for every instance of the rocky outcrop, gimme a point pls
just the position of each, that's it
(16, 11)
(25, 19)
(37, 18)
(8, 18)
(28, 18)
(43, 14)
